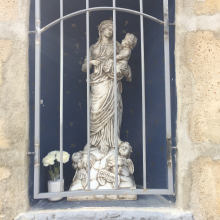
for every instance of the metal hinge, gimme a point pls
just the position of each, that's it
(29, 153)
(172, 24)
(31, 32)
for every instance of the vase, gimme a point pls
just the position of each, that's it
(54, 186)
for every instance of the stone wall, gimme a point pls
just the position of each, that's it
(198, 93)
(14, 116)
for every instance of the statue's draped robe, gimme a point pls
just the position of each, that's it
(102, 97)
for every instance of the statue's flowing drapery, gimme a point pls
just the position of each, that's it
(101, 157)
(102, 97)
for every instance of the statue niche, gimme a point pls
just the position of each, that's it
(102, 140)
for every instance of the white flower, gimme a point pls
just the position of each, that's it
(48, 160)
(54, 153)
(66, 157)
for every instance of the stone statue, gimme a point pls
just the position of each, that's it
(102, 140)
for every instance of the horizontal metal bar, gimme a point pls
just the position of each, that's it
(29, 153)
(105, 192)
(100, 9)
(31, 32)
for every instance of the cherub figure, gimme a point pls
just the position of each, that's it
(77, 160)
(80, 165)
(123, 69)
(125, 164)
(125, 149)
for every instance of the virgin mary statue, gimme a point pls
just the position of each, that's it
(102, 90)
(102, 141)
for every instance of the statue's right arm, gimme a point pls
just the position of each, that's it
(84, 66)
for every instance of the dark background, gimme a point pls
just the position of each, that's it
(74, 124)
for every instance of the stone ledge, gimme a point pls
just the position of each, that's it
(108, 213)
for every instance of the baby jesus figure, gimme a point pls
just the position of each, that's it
(122, 68)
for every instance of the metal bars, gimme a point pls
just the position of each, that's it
(38, 32)
(88, 93)
(143, 96)
(167, 95)
(100, 9)
(115, 97)
(105, 192)
(37, 99)
(61, 96)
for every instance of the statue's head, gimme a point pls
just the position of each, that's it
(76, 158)
(130, 40)
(125, 149)
(106, 28)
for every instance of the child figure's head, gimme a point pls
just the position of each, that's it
(129, 41)
(125, 149)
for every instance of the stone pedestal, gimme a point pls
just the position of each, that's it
(102, 172)
(102, 198)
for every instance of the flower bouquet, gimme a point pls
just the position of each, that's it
(53, 159)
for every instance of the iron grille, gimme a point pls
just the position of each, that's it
(38, 32)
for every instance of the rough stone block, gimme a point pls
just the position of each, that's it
(5, 173)
(202, 58)
(209, 7)
(80, 198)
(9, 10)
(108, 213)
(205, 200)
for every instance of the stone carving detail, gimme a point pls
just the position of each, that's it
(102, 140)
(106, 176)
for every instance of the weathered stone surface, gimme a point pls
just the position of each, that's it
(8, 10)
(112, 197)
(14, 105)
(197, 77)
(5, 173)
(5, 51)
(209, 7)
(127, 197)
(205, 191)
(204, 48)
(108, 213)
(81, 198)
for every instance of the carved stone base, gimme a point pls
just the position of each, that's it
(102, 172)
(102, 198)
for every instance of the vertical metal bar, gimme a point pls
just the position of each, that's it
(143, 97)
(167, 95)
(115, 95)
(88, 94)
(37, 99)
(61, 97)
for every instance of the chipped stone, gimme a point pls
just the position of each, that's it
(5, 173)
